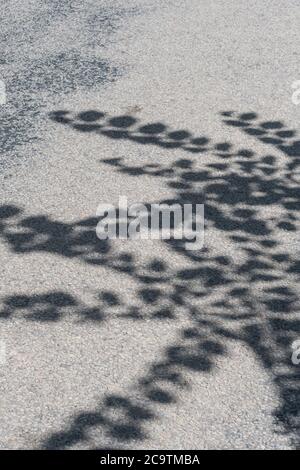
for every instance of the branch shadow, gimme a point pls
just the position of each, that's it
(251, 299)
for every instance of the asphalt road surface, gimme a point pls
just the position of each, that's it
(142, 343)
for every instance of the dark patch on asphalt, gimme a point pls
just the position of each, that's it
(33, 80)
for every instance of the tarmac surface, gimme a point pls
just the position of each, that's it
(143, 344)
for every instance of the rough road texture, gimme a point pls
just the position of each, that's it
(142, 344)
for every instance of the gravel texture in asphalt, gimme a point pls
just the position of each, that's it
(142, 343)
